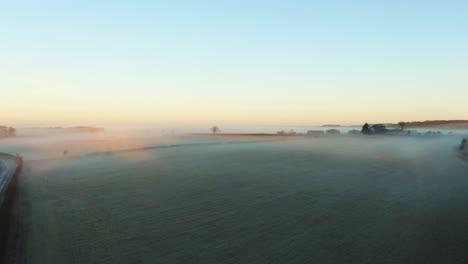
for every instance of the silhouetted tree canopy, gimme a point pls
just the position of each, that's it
(402, 125)
(365, 129)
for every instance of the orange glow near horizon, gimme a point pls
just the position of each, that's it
(219, 114)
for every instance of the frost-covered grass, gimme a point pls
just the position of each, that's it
(328, 200)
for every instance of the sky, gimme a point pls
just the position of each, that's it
(232, 62)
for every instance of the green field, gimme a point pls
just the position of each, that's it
(328, 200)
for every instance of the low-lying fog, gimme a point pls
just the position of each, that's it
(343, 199)
(54, 143)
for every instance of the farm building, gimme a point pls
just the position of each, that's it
(332, 132)
(315, 133)
(7, 131)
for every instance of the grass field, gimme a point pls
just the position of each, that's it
(327, 200)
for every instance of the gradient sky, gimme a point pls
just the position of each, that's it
(249, 62)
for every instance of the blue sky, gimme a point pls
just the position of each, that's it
(259, 62)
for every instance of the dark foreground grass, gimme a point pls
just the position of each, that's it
(331, 200)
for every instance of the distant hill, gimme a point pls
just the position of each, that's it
(452, 124)
(81, 129)
(86, 129)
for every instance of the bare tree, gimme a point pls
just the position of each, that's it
(215, 129)
(402, 125)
